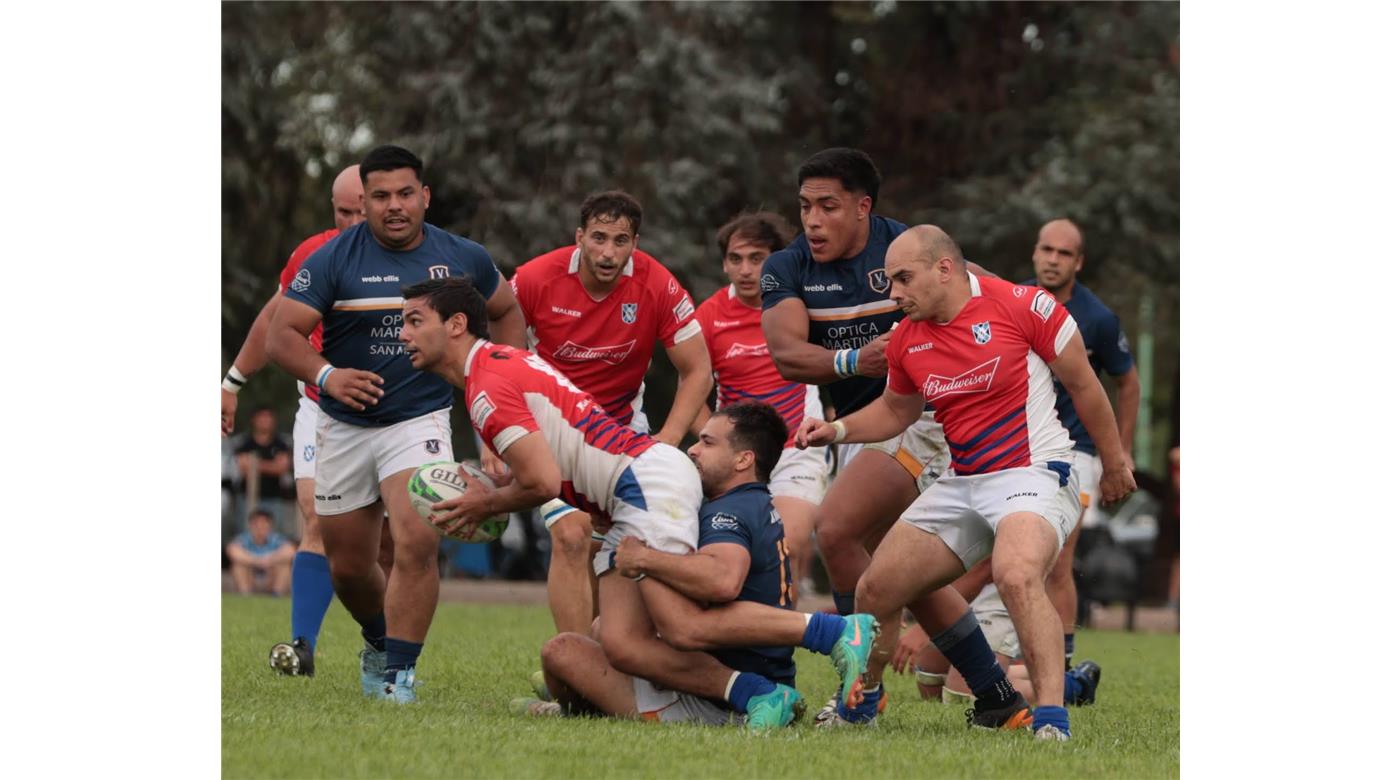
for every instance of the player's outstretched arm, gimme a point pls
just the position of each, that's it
(881, 419)
(785, 329)
(692, 361)
(252, 356)
(1073, 370)
(714, 574)
(505, 321)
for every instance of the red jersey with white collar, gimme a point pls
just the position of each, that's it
(743, 368)
(603, 346)
(511, 393)
(987, 376)
(289, 272)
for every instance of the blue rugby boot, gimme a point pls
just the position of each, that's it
(401, 690)
(372, 670)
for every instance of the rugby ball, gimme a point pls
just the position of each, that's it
(435, 482)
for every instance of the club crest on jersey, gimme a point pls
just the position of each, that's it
(768, 283)
(309, 453)
(982, 332)
(723, 521)
(302, 281)
(878, 281)
(437, 272)
(629, 313)
(432, 446)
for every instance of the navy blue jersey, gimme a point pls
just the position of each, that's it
(1107, 346)
(847, 301)
(355, 283)
(745, 516)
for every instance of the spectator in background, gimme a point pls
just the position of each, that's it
(264, 456)
(260, 558)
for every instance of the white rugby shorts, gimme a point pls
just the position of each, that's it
(1089, 470)
(800, 474)
(666, 706)
(996, 624)
(964, 511)
(304, 439)
(555, 509)
(921, 450)
(351, 460)
(657, 499)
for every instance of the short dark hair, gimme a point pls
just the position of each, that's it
(452, 295)
(853, 167)
(763, 227)
(256, 513)
(757, 427)
(389, 158)
(611, 206)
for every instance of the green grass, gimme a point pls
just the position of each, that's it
(478, 657)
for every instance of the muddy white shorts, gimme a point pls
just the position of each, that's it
(1089, 470)
(800, 474)
(964, 510)
(351, 460)
(304, 439)
(657, 499)
(996, 624)
(667, 706)
(921, 450)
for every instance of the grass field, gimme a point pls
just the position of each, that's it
(479, 656)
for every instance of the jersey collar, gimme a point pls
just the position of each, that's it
(976, 285)
(467, 370)
(573, 263)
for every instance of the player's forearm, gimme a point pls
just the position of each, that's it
(1091, 403)
(518, 497)
(290, 350)
(701, 417)
(806, 363)
(695, 576)
(1129, 395)
(508, 328)
(252, 356)
(691, 391)
(878, 421)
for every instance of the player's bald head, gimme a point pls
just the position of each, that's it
(347, 198)
(927, 243)
(1063, 231)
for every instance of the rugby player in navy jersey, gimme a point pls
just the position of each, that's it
(741, 562)
(382, 419)
(827, 318)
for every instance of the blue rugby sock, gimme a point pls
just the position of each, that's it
(823, 631)
(1072, 689)
(845, 602)
(373, 630)
(402, 654)
(965, 646)
(746, 685)
(311, 595)
(1050, 716)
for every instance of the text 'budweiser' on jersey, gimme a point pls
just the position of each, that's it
(986, 374)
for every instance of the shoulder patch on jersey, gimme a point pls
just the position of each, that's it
(723, 521)
(629, 313)
(878, 281)
(768, 283)
(683, 309)
(437, 272)
(1043, 304)
(302, 282)
(482, 407)
(1123, 342)
(671, 286)
(982, 332)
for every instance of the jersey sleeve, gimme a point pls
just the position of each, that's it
(1111, 346)
(779, 280)
(677, 320)
(705, 316)
(294, 261)
(720, 527)
(524, 285)
(499, 413)
(314, 282)
(484, 274)
(1046, 324)
(898, 380)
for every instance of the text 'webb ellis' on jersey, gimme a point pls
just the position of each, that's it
(986, 374)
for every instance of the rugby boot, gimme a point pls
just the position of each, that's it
(535, 708)
(1087, 673)
(541, 689)
(295, 659)
(851, 654)
(1013, 716)
(401, 690)
(864, 714)
(828, 710)
(1051, 733)
(372, 670)
(775, 709)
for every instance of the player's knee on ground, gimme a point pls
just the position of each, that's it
(572, 536)
(555, 654)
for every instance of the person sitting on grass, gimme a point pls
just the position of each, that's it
(260, 558)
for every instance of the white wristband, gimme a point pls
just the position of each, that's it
(840, 431)
(234, 380)
(322, 374)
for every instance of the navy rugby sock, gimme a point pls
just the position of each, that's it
(373, 630)
(965, 646)
(311, 595)
(845, 602)
(402, 654)
(823, 631)
(1050, 716)
(746, 685)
